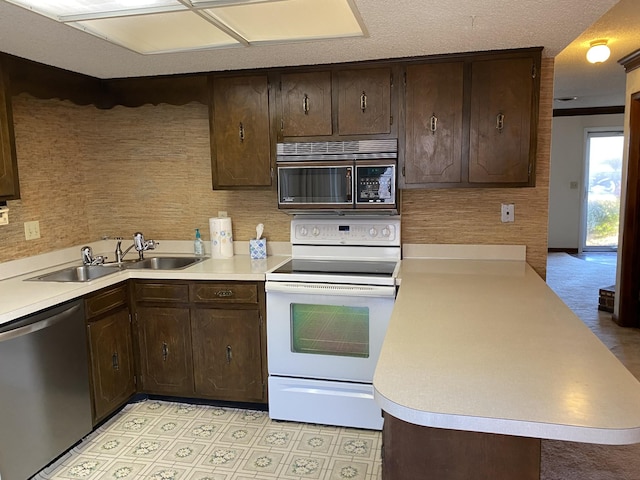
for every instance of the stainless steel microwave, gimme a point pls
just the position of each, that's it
(357, 176)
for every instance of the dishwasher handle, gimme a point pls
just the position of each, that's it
(38, 323)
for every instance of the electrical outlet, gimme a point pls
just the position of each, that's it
(222, 213)
(508, 212)
(32, 230)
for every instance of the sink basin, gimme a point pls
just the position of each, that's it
(164, 263)
(84, 273)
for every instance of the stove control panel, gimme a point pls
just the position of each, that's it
(339, 230)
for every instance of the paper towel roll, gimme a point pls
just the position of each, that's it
(221, 237)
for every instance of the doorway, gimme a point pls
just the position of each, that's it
(601, 200)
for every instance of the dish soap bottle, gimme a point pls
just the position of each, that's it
(198, 244)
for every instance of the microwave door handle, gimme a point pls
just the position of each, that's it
(349, 180)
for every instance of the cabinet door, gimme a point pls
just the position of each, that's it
(433, 132)
(112, 369)
(9, 185)
(227, 354)
(306, 104)
(501, 148)
(241, 153)
(164, 335)
(364, 101)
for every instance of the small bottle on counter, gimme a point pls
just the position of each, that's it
(198, 244)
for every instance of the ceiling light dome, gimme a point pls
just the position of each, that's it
(598, 52)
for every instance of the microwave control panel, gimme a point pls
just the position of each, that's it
(376, 184)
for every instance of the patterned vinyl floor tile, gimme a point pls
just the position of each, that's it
(158, 440)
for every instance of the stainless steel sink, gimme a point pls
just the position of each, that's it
(164, 263)
(84, 273)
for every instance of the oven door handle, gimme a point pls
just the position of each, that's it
(331, 289)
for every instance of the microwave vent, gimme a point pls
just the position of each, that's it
(355, 147)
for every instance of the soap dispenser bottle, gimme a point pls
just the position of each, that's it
(198, 244)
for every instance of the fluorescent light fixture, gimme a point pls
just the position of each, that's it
(160, 26)
(598, 51)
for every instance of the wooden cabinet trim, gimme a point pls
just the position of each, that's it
(105, 300)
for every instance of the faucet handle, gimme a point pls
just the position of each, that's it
(87, 255)
(152, 244)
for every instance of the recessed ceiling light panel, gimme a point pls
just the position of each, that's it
(158, 26)
(290, 20)
(159, 33)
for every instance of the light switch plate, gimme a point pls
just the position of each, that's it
(32, 230)
(508, 212)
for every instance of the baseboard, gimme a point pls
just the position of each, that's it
(565, 250)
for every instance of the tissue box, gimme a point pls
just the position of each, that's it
(258, 248)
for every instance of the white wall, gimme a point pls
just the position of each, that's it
(567, 165)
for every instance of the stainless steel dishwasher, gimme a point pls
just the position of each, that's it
(45, 404)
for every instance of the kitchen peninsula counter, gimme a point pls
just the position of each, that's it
(20, 296)
(486, 346)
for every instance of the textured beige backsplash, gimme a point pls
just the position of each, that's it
(86, 173)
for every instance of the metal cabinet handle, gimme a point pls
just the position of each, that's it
(165, 351)
(224, 293)
(363, 101)
(305, 104)
(229, 354)
(434, 123)
(114, 361)
(241, 132)
(500, 122)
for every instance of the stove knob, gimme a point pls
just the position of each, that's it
(315, 231)
(373, 232)
(386, 231)
(303, 231)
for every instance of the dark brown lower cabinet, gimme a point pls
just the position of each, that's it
(164, 336)
(110, 350)
(227, 358)
(411, 451)
(202, 339)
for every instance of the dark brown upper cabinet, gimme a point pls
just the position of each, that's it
(240, 135)
(502, 107)
(433, 129)
(9, 184)
(471, 121)
(337, 103)
(306, 104)
(364, 101)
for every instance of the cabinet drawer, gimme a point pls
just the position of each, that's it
(223, 292)
(162, 292)
(105, 300)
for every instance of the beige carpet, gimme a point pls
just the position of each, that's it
(577, 282)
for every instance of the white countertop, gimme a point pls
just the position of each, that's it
(487, 346)
(19, 296)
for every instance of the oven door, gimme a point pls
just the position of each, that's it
(325, 331)
(315, 185)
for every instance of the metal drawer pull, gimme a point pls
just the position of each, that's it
(434, 123)
(165, 351)
(114, 361)
(305, 104)
(363, 101)
(241, 132)
(500, 122)
(224, 293)
(229, 354)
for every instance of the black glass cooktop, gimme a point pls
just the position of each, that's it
(339, 267)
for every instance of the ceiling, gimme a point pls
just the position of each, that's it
(396, 29)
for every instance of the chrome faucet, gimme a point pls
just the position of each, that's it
(89, 259)
(119, 253)
(140, 245)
